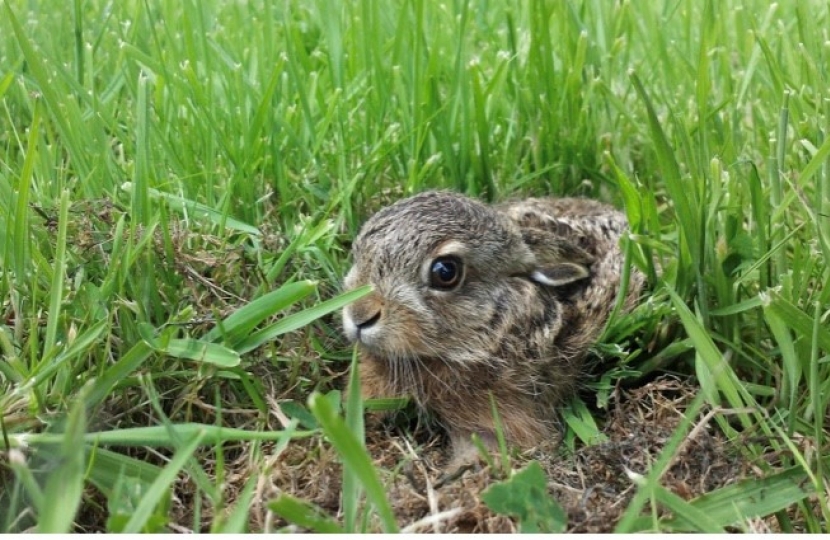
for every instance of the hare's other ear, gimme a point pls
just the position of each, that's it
(559, 274)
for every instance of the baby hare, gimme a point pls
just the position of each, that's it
(471, 300)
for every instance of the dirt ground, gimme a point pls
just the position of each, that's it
(591, 484)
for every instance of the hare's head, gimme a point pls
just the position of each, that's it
(451, 276)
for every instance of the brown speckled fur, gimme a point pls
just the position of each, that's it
(502, 332)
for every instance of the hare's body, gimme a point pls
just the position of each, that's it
(473, 300)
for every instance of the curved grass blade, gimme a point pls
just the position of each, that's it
(191, 349)
(245, 319)
(300, 319)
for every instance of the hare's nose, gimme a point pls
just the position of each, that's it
(366, 322)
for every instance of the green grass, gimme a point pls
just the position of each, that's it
(179, 182)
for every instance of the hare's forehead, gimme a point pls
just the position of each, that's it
(395, 248)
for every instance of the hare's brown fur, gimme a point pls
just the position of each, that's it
(512, 329)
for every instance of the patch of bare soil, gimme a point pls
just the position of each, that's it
(591, 484)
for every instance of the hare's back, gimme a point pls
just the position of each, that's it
(584, 216)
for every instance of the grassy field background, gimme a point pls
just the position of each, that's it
(179, 183)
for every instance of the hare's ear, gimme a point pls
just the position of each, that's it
(548, 246)
(559, 274)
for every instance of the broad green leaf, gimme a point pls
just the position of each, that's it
(525, 496)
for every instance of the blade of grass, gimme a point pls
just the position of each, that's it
(64, 487)
(107, 467)
(580, 421)
(122, 368)
(795, 318)
(64, 111)
(190, 349)
(237, 521)
(186, 206)
(304, 514)
(739, 502)
(58, 276)
(140, 196)
(685, 512)
(246, 318)
(352, 489)
(629, 521)
(354, 456)
(158, 436)
(158, 489)
(78, 347)
(725, 380)
(21, 243)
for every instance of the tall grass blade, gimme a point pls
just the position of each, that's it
(159, 488)
(711, 360)
(21, 239)
(62, 494)
(58, 276)
(355, 457)
(352, 489)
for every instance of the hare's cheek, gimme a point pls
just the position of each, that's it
(404, 333)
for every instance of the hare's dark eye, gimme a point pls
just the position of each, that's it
(445, 272)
